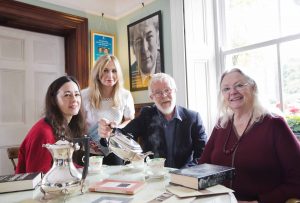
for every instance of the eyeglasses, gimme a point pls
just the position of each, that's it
(237, 87)
(160, 94)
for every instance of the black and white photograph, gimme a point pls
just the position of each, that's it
(145, 48)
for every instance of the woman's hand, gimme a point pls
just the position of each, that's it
(105, 127)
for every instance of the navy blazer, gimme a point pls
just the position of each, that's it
(190, 137)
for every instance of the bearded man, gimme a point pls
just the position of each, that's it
(168, 130)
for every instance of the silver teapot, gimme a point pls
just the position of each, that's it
(123, 145)
(64, 178)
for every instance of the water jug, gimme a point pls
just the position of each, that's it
(64, 178)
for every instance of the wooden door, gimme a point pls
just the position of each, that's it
(29, 62)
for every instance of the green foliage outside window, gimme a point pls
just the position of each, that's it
(294, 123)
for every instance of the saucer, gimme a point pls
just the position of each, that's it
(95, 170)
(134, 167)
(157, 176)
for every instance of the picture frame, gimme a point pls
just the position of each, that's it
(145, 50)
(101, 44)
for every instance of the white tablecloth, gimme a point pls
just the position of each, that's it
(154, 187)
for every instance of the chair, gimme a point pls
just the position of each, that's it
(138, 107)
(13, 153)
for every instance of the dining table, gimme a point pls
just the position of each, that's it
(155, 188)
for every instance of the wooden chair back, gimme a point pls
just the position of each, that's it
(138, 107)
(12, 154)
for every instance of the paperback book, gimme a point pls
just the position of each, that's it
(19, 182)
(184, 192)
(117, 186)
(106, 199)
(201, 176)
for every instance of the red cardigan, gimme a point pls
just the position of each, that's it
(32, 156)
(267, 160)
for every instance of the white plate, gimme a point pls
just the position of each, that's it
(132, 167)
(157, 176)
(160, 175)
(95, 170)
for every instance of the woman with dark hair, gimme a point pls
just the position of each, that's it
(63, 119)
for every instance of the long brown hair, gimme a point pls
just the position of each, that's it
(55, 117)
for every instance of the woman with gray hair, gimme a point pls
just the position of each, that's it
(258, 144)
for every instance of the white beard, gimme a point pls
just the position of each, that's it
(168, 110)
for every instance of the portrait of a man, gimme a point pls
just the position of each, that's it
(145, 50)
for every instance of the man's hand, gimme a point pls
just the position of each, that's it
(94, 147)
(105, 127)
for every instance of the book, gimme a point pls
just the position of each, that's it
(201, 176)
(107, 199)
(168, 197)
(184, 192)
(19, 182)
(117, 186)
(161, 198)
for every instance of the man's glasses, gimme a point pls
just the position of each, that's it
(160, 94)
(237, 87)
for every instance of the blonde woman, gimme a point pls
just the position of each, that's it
(106, 98)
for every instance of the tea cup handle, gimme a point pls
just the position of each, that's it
(147, 159)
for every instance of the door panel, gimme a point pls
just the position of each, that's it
(29, 62)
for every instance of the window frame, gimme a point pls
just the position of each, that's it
(222, 52)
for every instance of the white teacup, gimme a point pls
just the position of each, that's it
(156, 166)
(95, 162)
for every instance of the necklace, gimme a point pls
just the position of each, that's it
(231, 150)
(107, 99)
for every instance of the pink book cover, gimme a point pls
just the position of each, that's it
(117, 186)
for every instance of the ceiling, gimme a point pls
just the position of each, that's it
(113, 9)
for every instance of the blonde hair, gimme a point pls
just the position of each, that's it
(96, 86)
(225, 113)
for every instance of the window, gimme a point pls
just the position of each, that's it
(262, 37)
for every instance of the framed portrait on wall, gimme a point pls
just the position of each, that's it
(145, 50)
(101, 44)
